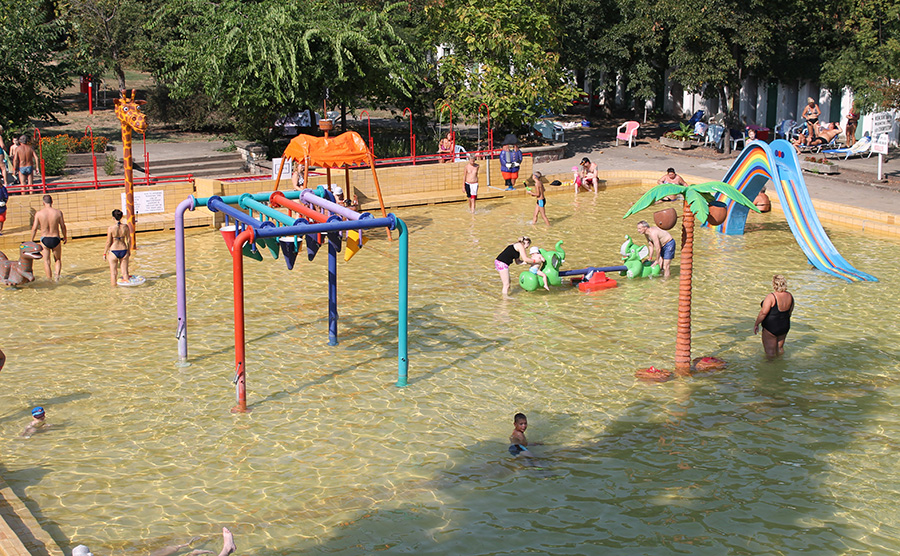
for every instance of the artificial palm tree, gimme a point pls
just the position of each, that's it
(696, 207)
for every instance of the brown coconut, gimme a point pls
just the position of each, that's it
(666, 218)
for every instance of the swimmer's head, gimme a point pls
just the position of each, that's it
(38, 412)
(117, 214)
(534, 251)
(520, 419)
(81, 550)
(525, 240)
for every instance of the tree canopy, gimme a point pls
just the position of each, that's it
(34, 69)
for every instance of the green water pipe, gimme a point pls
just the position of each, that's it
(233, 199)
(247, 202)
(402, 305)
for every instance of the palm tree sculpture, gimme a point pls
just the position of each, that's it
(697, 200)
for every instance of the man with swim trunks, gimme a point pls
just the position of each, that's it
(661, 245)
(53, 231)
(471, 182)
(24, 162)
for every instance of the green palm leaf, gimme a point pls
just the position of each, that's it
(727, 190)
(655, 195)
(698, 203)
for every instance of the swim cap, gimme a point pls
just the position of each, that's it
(81, 550)
(534, 250)
(37, 412)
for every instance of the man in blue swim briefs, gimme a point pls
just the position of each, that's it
(24, 162)
(662, 246)
(53, 231)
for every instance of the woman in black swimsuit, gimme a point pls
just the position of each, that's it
(775, 317)
(516, 252)
(118, 238)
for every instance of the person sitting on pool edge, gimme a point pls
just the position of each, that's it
(518, 444)
(37, 422)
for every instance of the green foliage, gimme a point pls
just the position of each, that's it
(54, 151)
(260, 60)
(78, 144)
(34, 72)
(869, 61)
(109, 165)
(697, 197)
(682, 134)
(503, 54)
(104, 33)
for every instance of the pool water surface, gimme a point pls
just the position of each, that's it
(792, 456)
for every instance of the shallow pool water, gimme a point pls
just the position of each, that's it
(793, 456)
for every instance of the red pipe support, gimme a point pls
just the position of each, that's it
(277, 199)
(240, 360)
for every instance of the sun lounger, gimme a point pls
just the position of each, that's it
(861, 147)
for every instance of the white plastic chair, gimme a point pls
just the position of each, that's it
(741, 138)
(627, 132)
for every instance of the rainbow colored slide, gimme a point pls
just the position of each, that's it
(777, 162)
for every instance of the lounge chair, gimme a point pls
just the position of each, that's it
(627, 132)
(861, 147)
(550, 130)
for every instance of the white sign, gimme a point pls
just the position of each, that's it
(881, 123)
(880, 145)
(285, 172)
(147, 202)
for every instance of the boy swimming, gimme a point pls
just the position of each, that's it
(37, 422)
(518, 444)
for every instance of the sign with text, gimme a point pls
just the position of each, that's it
(882, 123)
(285, 172)
(147, 202)
(881, 143)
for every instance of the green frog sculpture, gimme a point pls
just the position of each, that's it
(529, 281)
(633, 256)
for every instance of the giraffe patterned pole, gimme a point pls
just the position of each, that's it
(128, 111)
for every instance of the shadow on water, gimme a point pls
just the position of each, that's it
(376, 332)
(733, 463)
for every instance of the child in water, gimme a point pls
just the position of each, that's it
(518, 444)
(539, 262)
(37, 422)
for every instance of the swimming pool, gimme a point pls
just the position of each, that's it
(791, 456)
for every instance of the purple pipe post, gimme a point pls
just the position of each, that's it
(309, 197)
(181, 330)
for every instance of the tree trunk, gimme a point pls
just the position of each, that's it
(683, 335)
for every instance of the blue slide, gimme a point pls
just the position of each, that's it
(777, 162)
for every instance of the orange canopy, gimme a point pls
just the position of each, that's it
(346, 149)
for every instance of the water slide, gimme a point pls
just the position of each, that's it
(777, 162)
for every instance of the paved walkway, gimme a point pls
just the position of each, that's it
(855, 185)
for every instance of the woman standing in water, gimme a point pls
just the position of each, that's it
(775, 317)
(514, 253)
(118, 238)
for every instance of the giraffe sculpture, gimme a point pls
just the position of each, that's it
(130, 116)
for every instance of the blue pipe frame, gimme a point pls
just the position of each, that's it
(300, 227)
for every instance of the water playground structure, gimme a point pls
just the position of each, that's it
(777, 162)
(586, 279)
(254, 223)
(633, 256)
(17, 272)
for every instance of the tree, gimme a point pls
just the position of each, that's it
(263, 59)
(104, 32)
(869, 61)
(34, 71)
(502, 54)
(696, 207)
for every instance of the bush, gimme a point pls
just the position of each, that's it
(109, 165)
(55, 154)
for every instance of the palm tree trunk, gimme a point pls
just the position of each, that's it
(683, 335)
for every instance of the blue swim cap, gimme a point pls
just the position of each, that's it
(37, 412)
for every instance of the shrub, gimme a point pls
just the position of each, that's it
(54, 152)
(109, 165)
